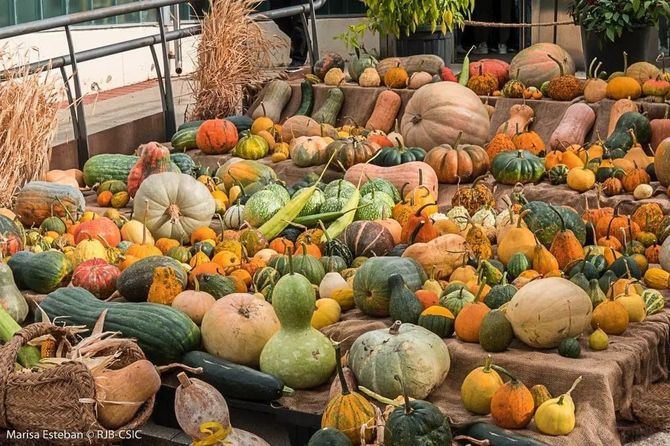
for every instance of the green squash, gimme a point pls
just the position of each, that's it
(440, 324)
(570, 348)
(380, 185)
(625, 264)
(108, 166)
(499, 295)
(375, 206)
(394, 156)
(297, 354)
(55, 224)
(336, 247)
(11, 298)
(184, 139)
(135, 281)
(217, 285)
(541, 219)
(333, 263)
(251, 175)
(333, 204)
(251, 147)
(606, 280)
(313, 204)
(620, 141)
(654, 301)
(279, 190)
(304, 264)
(581, 281)
(339, 188)
(181, 254)
(264, 277)
(517, 264)
(596, 295)
(184, 162)
(558, 174)
(403, 304)
(113, 186)
(495, 333)
(329, 436)
(415, 423)
(371, 287)
(42, 272)
(517, 166)
(261, 207)
(359, 62)
(456, 300)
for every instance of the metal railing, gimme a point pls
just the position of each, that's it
(164, 83)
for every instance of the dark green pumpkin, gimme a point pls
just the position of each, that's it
(581, 281)
(303, 264)
(393, 156)
(205, 248)
(625, 264)
(403, 304)
(336, 247)
(291, 233)
(606, 280)
(570, 348)
(267, 292)
(499, 295)
(216, 284)
(55, 224)
(371, 287)
(603, 173)
(264, 277)
(588, 269)
(184, 162)
(135, 281)
(241, 122)
(42, 272)
(333, 263)
(495, 332)
(651, 171)
(442, 326)
(517, 264)
(541, 219)
(418, 422)
(620, 141)
(558, 174)
(518, 166)
(329, 437)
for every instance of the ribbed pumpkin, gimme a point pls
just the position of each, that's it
(102, 229)
(530, 141)
(512, 405)
(437, 319)
(216, 136)
(251, 147)
(350, 151)
(458, 162)
(565, 247)
(96, 276)
(396, 77)
(532, 66)
(349, 411)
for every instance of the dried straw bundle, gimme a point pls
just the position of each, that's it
(28, 122)
(232, 54)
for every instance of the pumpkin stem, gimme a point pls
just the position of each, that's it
(183, 380)
(144, 226)
(560, 400)
(504, 371)
(560, 65)
(458, 140)
(488, 361)
(263, 108)
(395, 328)
(420, 177)
(196, 283)
(415, 232)
(416, 119)
(625, 62)
(589, 72)
(574, 384)
(402, 190)
(420, 210)
(340, 372)
(408, 408)
(597, 70)
(289, 253)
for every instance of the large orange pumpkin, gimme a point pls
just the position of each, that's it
(458, 163)
(216, 136)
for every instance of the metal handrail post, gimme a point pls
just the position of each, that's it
(170, 120)
(161, 86)
(315, 38)
(82, 135)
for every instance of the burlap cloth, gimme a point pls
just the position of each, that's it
(611, 378)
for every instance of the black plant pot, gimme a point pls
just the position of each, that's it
(423, 41)
(636, 43)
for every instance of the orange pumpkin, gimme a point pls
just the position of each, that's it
(529, 140)
(418, 228)
(427, 298)
(565, 247)
(165, 244)
(396, 77)
(281, 245)
(634, 178)
(202, 233)
(242, 275)
(617, 225)
(216, 136)
(469, 320)
(569, 158)
(501, 142)
(308, 248)
(165, 286)
(648, 217)
(206, 268)
(226, 259)
(104, 198)
(512, 405)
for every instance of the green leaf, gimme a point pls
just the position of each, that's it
(610, 34)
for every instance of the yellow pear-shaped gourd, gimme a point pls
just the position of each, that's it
(598, 340)
(479, 386)
(432, 284)
(557, 415)
(543, 260)
(516, 239)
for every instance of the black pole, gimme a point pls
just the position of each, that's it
(170, 124)
(82, 136)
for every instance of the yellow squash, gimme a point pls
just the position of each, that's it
(557, 415)
(478, 388)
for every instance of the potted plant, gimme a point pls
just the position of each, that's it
(610, 27)
(409, 26)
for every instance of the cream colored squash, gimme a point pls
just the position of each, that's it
(437, 112)
(134, 231)
(546, 311)
(173, 205)
(237, 328)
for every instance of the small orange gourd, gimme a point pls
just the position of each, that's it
(544, 261)
(419, 228)
(565, 247)
(469, 320)
(165, 286)
(396, 77)
(512, 405)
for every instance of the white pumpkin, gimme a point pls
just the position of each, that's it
(460, 216)
(233, 218)
(237, 328)
(546, 311)
(438, 112)
(664, 257)
(173, 205)
(330, 283)
(643, 191)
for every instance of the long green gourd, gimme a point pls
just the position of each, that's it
(28, 356)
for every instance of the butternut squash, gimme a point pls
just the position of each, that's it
(520, 117)
(576, 123)
(385, 111)
(660, 129)
(619, 108)
(409, 175)
(276, 96)
(297, 126)
(120, 393)
(442, 255)
(73, 177)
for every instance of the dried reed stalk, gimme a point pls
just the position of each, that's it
(232, 55)
(28, 123)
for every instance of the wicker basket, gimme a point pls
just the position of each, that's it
(59, 399)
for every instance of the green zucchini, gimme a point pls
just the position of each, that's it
(28, 356)
(496, 435)
(241, 122)
(307, 98)
(164, 333)
(184, 139)
(234, 380)
(330, 109)
(190, 125)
